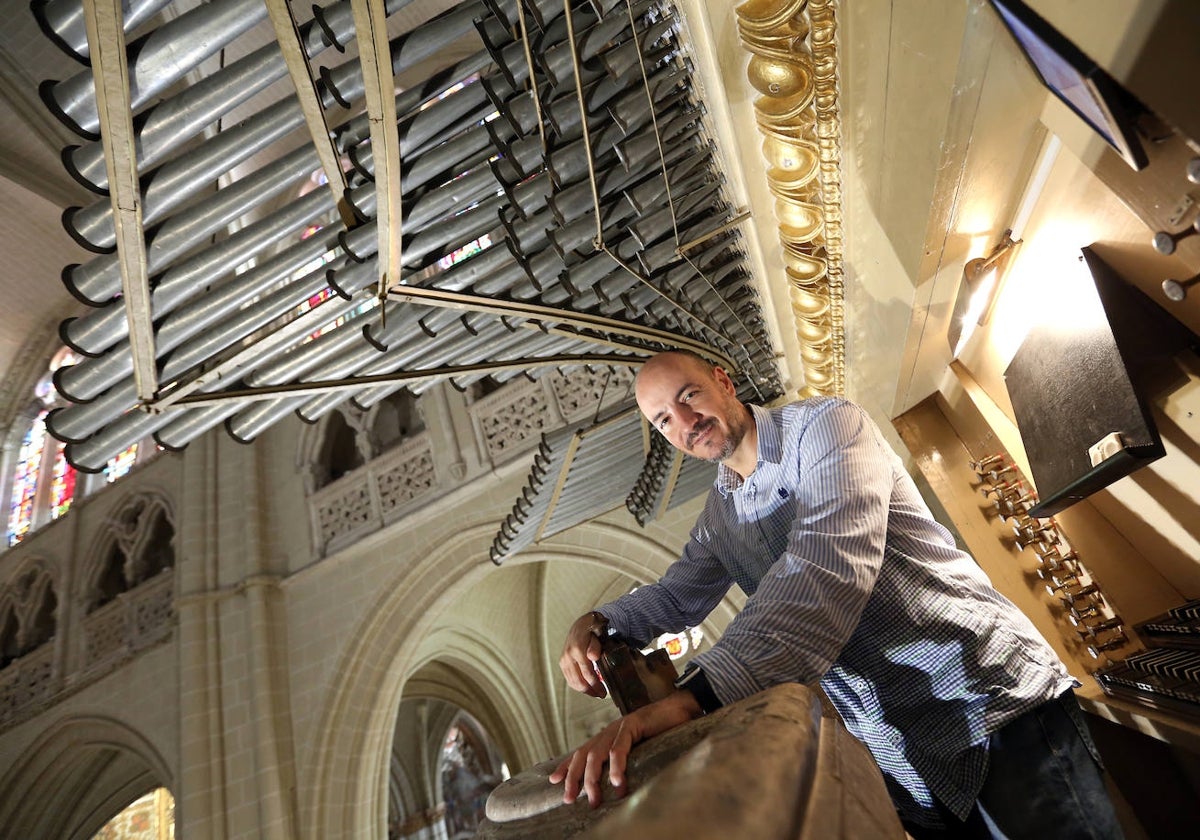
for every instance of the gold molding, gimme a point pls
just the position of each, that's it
(793, 65)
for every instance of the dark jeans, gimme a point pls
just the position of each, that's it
(1044, 781)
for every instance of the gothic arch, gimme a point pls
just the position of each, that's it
(347, 438)
(17, 409)
(31, 596)
(460, 786)
(401, 410)
(483, 674)
(10, 629)
(76, 775)
(138, 525)
(349, 790)
(402, 799)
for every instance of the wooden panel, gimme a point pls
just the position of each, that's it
(943, 439)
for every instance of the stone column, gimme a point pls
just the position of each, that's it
(238, 771)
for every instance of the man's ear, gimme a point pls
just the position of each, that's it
(722, 379)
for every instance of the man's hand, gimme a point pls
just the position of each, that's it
(614, 742)
(580, 653)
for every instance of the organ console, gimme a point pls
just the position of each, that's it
(1167, 674)
(1059, 566)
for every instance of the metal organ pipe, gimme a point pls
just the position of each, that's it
(535, 192)
(99, 279)
(96, 331)
(64, 24)
(157, 60)
(181, 117)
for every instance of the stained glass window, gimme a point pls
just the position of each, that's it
(469, 250)
(62, 483)
(42, 459)
(120, 464)
(676, 644)
(25, 480)
(471, 769)
(325, 294)
(152, 817)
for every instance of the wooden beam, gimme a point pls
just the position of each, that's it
(370, 26)
(292, 47)
(110, 69)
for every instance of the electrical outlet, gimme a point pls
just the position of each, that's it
(1105, 448)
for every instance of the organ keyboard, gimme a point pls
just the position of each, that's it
(1179, 627)
(1166, 676)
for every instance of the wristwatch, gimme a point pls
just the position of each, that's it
(695, 681)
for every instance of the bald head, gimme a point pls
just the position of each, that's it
(694, 404)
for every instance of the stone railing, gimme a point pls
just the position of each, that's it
(507, 423)
(26, 684)
(513, 419)
(132, 622)
(810, 778)
(373, 495)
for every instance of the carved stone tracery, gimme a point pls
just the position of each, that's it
(28, 612)
(583, 391)
(138, 545)
(511, 417)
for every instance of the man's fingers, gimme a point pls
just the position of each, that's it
(618, 753)
(574, 772)
(560, 772)
(616, 764)
(591, 776)
(577, 664)
(594, 688)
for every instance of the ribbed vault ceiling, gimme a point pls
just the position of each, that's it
(596, 241)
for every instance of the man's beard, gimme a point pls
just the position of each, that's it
(728, 447)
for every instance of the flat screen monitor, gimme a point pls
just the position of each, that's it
(1075, 79)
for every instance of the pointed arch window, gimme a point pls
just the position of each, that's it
(25, 479)
(43, 483)
(471, 769)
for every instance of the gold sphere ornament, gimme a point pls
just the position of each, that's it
(776, 77)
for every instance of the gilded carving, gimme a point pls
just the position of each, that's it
(793, 66)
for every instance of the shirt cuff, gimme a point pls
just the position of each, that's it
(695, 681)
(618, 622)
(728, 678)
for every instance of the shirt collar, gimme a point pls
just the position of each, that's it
(770, 448)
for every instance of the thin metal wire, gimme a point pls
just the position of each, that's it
(662, 156)
(537, 100)
(598, 241)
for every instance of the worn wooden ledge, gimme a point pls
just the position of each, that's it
(775, 766)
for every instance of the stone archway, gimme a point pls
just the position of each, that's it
(349, 788)
(76, 776)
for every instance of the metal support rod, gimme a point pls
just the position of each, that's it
(563, 472)
(583, 120)
(732, 223)
(291, 45)
(551, 315)
(110, 68)
(405, 376)
(533, 85)
(379, 89)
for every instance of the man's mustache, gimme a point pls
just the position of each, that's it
(699, 429)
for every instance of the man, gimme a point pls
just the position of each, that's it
(965, 707)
